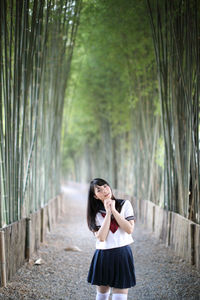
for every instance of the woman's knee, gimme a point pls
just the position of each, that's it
(103, 293)
(103, 289)
(120, 291)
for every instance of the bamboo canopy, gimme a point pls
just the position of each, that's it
(36, 45)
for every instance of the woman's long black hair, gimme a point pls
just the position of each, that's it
(93, 203)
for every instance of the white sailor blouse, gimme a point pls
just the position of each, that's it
(117, 237)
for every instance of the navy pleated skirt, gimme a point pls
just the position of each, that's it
(113, 267)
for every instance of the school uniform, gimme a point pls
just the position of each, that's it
(113, 262)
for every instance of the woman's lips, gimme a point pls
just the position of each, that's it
(107, 195)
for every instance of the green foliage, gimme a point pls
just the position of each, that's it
(111, 70)
(160, 152)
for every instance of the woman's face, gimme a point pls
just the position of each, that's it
(102, 192)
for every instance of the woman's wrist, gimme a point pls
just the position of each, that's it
(108, 212)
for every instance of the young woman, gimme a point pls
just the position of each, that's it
(112, 222)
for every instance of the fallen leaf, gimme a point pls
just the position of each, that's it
(73, 248)
(39, 261)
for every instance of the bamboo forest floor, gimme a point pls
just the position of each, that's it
(62, 275)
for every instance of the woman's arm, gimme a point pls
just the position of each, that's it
(102, 233)
(127, 226)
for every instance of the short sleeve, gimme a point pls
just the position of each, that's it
(128, 211)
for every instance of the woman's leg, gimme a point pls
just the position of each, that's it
(103, 292)
(120, 294)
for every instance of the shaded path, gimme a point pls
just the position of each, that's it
(159, 274)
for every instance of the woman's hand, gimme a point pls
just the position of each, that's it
(107, 204)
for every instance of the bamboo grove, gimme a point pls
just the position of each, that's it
(36, 45)
(132, 109)
(176, 31)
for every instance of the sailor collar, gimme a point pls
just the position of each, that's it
(101, 208)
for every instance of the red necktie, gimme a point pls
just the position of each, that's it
(113, 224)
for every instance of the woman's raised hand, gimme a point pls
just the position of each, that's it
(107, 204)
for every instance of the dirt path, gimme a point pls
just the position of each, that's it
(159, 273)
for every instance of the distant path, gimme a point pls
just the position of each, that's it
(159, 274)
